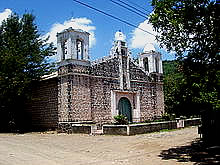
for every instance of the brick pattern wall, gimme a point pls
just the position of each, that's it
(148, 103)
(151, 99)
(83, 93)
(74, 93)
(80, 102)
(101, 98)
(160, 99)
(43, 107)
(73, 128)
(151, 95)
(63, 99)
(138, 128)
(109, 68)
(73, 68)
(136, 73)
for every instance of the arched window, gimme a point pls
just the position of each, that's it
(122, 51)
(79, 49)
(146, 65)
(157, 65)
(64, 49)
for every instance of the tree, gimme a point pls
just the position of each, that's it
(23, 60)
(191, 28)
(172, 81)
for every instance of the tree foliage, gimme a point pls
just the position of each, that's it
(172, 81)
(23, 60)
(191, 28)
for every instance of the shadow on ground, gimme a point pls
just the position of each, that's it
(197, 151)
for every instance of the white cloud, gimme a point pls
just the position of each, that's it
(146, 41)
(140, 38)
(5, 14)
(75, 23)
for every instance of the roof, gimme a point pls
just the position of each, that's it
(149, 47)
(49, 76)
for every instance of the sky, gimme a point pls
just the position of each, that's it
(55, 16)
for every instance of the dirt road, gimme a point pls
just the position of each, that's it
(78, 149)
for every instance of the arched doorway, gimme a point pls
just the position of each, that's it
(124, 107)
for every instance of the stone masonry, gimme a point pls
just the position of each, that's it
(43, 106)
(91, 91)
(96, 91)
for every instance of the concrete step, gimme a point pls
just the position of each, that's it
(98, 132)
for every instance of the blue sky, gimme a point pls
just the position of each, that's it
(53, 16)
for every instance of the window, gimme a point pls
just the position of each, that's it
(146, 65)
(122, 51)
(79, 49)
(122, 43)
(64, 49)
(157, 65)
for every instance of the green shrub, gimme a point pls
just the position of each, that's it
(121, 119)
(168, 117)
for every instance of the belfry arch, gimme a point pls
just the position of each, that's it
(73, 44)
(79, 49)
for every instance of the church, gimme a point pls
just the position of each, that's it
(93, 92)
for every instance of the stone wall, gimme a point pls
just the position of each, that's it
(85, 92)
(135, 129)
(190, 122)
(81, 98)
(151, 99)
(148, 102)
(74, 94)
(69, 127)
(43, 106)
(159, 99)
(151, 92)
(106, 68)
(136, 73)
(115, 130)
(63, 96)
(101, 99)
(151, 127)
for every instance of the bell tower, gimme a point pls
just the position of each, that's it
(120, 50)
(151, 60)
(73, 45)
(74, 103)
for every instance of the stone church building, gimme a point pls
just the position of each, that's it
(85, 91)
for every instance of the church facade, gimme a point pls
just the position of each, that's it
(84, 91)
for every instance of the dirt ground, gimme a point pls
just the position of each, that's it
(78, 149)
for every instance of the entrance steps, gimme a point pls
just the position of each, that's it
(96, 129)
